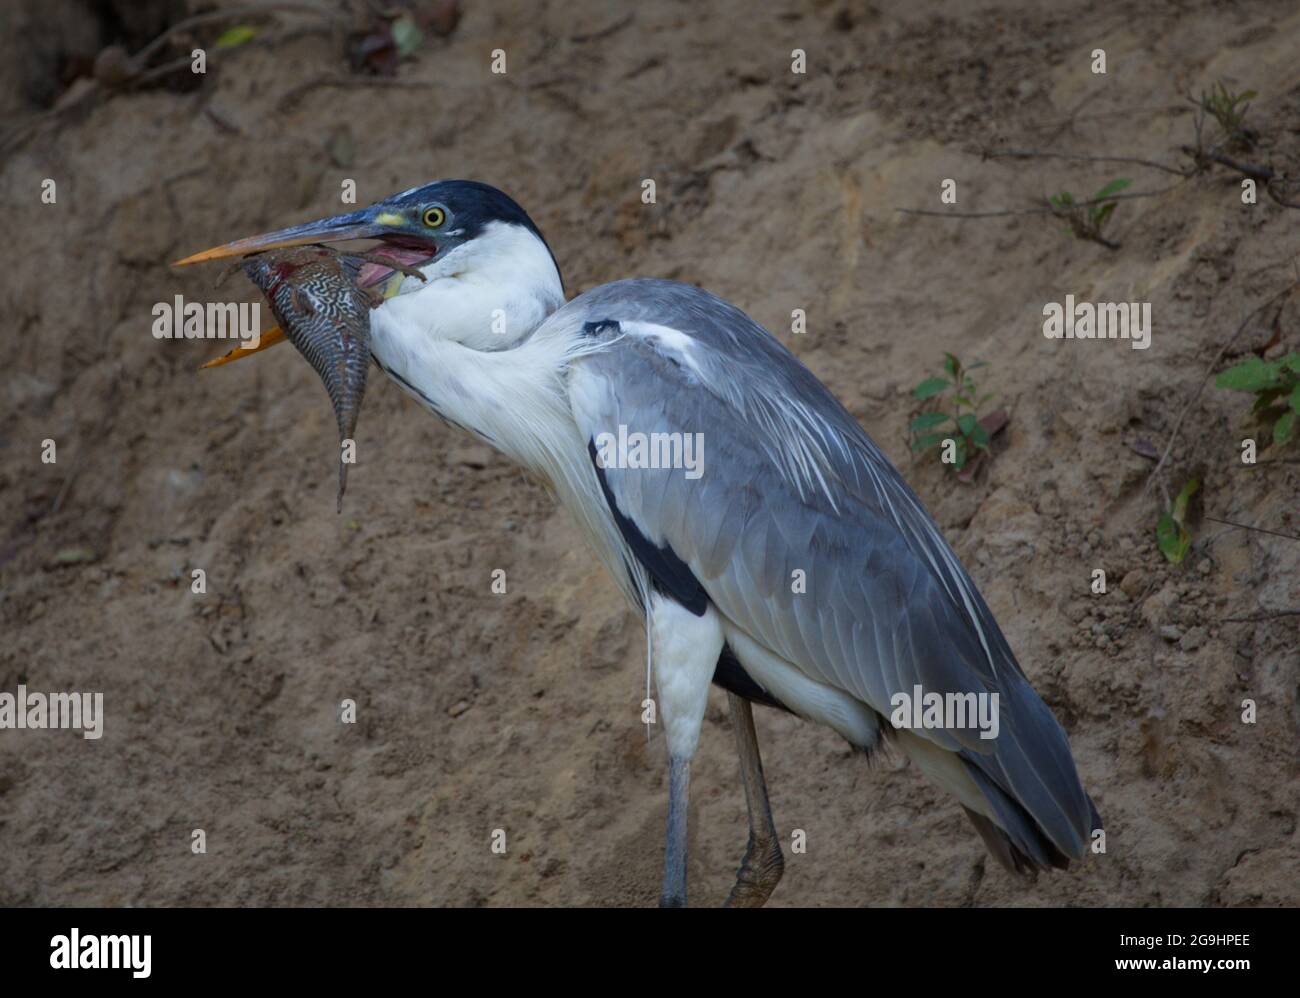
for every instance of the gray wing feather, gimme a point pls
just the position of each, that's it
(792, 482)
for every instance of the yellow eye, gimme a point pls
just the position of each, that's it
(434, 217)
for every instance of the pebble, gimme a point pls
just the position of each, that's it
(1171, 632)
(1134, 582)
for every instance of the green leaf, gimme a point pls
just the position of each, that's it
(952, 365)
(927, 420)
(1291, 361)
(980, 437)
(967, 423)
(959, 461)
(1251, 375)
(1284, 427)
(238, 35)
(1184, 498)
(930, 387)
(926, 442)
(1172, 539)
(1172, 535)
(1295, 399)
(1114, 187)
(1101, 214)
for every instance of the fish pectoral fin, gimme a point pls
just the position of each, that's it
(269, 338)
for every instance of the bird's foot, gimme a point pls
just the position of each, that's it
(759, 873)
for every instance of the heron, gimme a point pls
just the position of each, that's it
(791, 487)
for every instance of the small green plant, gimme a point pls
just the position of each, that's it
(1087, 219)
(1172, 535)
(1276, 387)
(231, 38)
(968, 433)
(1229, 110)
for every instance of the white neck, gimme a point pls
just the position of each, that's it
(489, 293)
(462, 340)
(507, 387)
(514, 399)
(517, 400)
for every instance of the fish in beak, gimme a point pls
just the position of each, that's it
(322, 296)
(312, 291)
(403, 245)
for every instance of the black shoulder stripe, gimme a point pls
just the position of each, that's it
(668, 574)
(596, 328)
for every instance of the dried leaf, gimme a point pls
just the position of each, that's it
(995, 422)
(1144, 448)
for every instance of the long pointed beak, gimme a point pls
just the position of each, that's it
(369, 223)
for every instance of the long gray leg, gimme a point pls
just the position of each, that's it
(673, 892)
(763, 864)
(686, 647)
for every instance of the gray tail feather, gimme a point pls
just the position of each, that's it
(1042, 817)
(999, 845)
(1010, 855)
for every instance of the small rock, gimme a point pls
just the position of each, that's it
(113, 67)
(1193, 639)
(1205, 567)
(26, 389)
(458, 708)
(1134, 582)
(1171, 632)
(442, 17)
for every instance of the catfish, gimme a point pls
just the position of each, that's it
(315, 295)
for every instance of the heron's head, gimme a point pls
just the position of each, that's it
(473, 243)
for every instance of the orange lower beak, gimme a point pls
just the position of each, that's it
(269, 338)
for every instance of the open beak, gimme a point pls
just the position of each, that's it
(374, 222)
